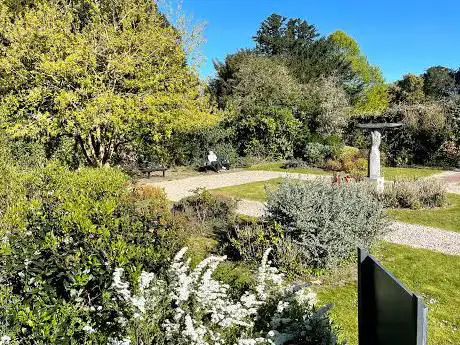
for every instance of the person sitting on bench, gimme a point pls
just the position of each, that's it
(213, 162)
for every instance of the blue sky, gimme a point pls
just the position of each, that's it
(399, 36)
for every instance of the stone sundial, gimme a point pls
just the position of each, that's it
(373, 167)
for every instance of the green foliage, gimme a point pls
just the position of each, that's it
(349, 160)
(64, 234)
(102, 73)
(249, 241)
(329, 221)
(265, 131)
(439, 82)
(426, 127)
(370, 92)
(206, 208)
(426, 193)
(408, 90)
(317, 153)
(325, 107)
(279, 35)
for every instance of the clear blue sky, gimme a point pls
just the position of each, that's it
(400, 36)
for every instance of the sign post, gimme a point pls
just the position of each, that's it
(388, 313)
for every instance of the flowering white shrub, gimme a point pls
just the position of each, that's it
(190, 307)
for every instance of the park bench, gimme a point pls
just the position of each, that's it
(149, 168)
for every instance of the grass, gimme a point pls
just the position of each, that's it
(447, 218)
(429, 274)
(278, 167)
(253, 191)
(388, 172)
(391, 173)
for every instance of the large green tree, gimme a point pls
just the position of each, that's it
(439, 82)
(279, 35)
(408, 90)
(368, 86)
(105, 73)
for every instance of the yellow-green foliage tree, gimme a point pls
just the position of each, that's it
(374, 96)
(103, 72)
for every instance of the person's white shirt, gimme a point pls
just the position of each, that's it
(212, 157)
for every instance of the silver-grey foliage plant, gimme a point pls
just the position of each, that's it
(328, 221)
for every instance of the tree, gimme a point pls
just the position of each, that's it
(368, 85)
(319, 59)
(408, 90)
(439, 82)
(222, 86)
(264, 95)
(105, 73)
(326, 106)
(278, 35)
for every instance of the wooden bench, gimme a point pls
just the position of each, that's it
(148, 169)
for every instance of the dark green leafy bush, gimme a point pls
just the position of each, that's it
(328, 221)
(65, 234)
(317, 153)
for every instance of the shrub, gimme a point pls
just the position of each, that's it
(294, 163)
(192, 307)
(249, 241)
(414, 194)
(317, 153)
(71, 231)
(350, 160)
(206, 207)
(328, 221)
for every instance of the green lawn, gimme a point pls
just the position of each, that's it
(445, 218)
(277, 167)
(431, 275)
(252, 191)
(408, 173)
(388, 172)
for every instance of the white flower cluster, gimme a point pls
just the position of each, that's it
(4, 340)
(202, 311)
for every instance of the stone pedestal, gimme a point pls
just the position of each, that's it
(379, 184)
(374, 156)
(373, 168)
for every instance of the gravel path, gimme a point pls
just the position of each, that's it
(451, 179)
(179, 189)
(417, 236)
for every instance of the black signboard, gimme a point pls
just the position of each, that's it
(388, 313)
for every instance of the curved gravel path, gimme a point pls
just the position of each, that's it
(417, 236)
(178, 189)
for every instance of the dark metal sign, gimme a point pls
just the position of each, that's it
(388, 313)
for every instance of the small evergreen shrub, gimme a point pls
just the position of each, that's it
(204, 207)
(327, 221)
(316, 153)
(416, 194)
